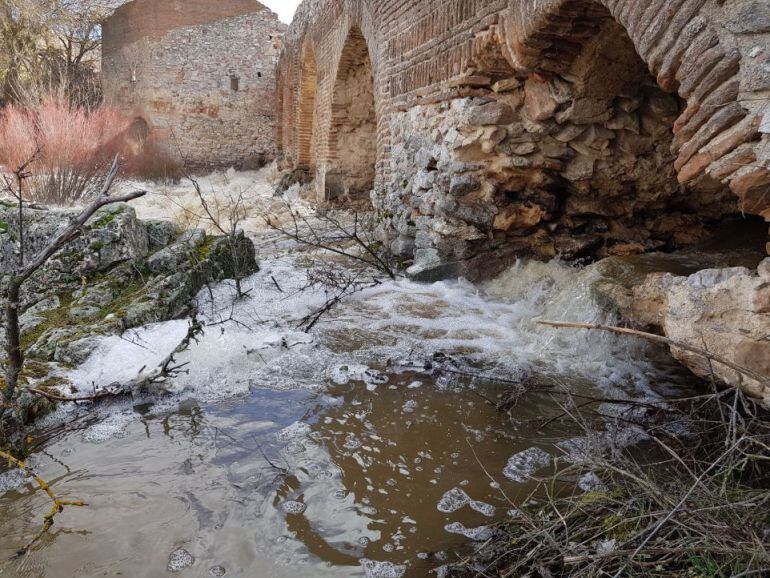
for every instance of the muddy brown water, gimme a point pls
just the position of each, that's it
(222, 481)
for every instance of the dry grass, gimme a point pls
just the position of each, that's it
(696, 505)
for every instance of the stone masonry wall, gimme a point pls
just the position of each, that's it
(573, 127)
(200, 74)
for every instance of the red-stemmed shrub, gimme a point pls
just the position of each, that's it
(75, 147)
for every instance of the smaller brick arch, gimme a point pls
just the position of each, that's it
(351, 152)
(139, 130)
(306, 120)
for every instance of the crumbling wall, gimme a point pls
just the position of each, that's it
(200, 74)
(545, 127)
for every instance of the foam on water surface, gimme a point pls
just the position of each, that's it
(479, 534)
(180, 560)
(522, 465)
(376, 569)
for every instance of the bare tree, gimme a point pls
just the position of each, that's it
(12, 285)
(45, 44)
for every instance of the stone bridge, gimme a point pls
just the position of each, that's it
(539, 127)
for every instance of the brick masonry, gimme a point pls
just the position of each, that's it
(200, 74)
(568, 127)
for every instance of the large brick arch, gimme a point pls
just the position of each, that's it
(350, 150)
(688, 54)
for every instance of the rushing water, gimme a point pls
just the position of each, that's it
(356, 450)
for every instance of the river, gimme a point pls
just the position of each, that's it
(371, 446)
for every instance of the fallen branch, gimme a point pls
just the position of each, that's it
(63, 398)
(763, 379)
(58, 504)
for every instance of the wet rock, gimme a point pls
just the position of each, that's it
(429, 266)
(107, 281)
(724, 311)
(181, 253)
(161, 234)
(114, 235)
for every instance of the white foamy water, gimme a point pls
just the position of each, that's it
(523, 464)
(492, 325)
(479, 534)
(179, 202)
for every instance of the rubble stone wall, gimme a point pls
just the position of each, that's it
(543, 127)
(200, 74)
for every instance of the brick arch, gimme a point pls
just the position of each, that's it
(306, 116)
(681, 48)
(349, 153)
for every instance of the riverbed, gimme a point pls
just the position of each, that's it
(373, 445)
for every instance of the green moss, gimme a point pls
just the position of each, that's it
(204, 250)
(4, 227)
(109, 217)
(124, 296)
(54, 319)
(35, 370)
(52, 383)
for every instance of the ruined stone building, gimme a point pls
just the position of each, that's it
(494, 128)
(198, 75)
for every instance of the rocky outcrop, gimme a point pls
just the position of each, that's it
(724, 311)
(120, 273)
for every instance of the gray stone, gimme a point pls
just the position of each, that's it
(46, 304)
(491, 114)
(83, 313)
(424, 159)
(77, 351)
(424, 180)
(748, 17)
(403, 246)
(463, 184)
(161, 234)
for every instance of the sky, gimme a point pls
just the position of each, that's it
(284, 8)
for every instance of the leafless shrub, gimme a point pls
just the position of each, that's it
(676, 505)
(74, 148)
(345, 236)
(326, 231)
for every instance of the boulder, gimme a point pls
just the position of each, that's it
(724, 311)
(119, 274)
